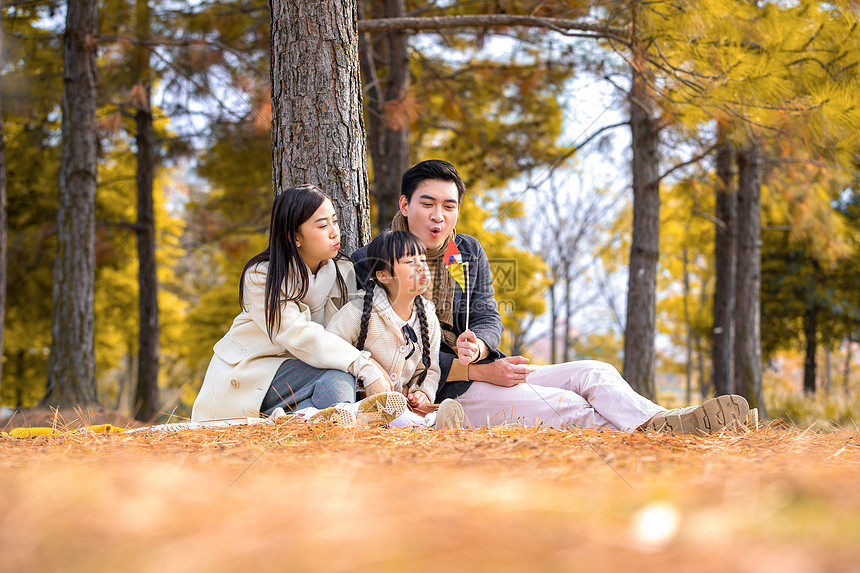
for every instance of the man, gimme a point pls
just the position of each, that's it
(497, 389)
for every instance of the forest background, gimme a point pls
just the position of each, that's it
(552, 111)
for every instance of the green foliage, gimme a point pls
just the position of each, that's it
(495, 117)
(605, 347)
(686, 233)
(31, 86)
(230, 225)
(809, 257)
(492, 120)
(31, 90)
(785, 72)
(820, 412)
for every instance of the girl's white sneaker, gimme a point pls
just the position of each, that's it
(336, 413)
(380, 408)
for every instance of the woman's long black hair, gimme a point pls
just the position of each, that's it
(286, 267)
(386, 249)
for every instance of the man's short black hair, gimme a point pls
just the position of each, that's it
(433, 169)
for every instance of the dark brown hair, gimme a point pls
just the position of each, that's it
(433, 169)
(291, 208)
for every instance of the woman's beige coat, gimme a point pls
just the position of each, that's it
(246, 360)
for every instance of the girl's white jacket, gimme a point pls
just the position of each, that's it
(246, 360)
(386, 344)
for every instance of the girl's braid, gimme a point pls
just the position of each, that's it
(365, 314)
(425, 338)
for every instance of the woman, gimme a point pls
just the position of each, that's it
(277, 353)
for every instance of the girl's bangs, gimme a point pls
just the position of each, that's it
(405, 245)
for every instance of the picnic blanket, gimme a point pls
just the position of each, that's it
(110, 429)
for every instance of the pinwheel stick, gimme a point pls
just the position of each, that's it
(466, 279)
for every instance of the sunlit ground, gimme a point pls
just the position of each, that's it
(296, 496)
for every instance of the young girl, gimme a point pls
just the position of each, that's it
(399, 326)
(277, 354)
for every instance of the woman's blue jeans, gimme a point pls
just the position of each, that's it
(297, 385)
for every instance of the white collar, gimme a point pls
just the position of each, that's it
(383, 307)
(319, 288)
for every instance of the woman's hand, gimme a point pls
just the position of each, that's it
(467, 348)
(381, 384)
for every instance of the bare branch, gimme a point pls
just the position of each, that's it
(574, 149)
(560, 25)
(694, 159)
(801, 161)
(182, 43)
(710, 218)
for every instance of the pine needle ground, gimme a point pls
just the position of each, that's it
(318, 497)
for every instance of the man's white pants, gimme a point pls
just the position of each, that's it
(585, 393)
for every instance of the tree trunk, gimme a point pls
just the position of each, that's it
(810, 330)
(317, 123)
(565, 352)
(688, 389)
(705, 386)
(21, 369)
(71, 364)
(846, 368)
(125, 380)
(146, 403)
(4, 255)
(645, 242)
(388, 113)
(747, 365)
(724, 289)
(553, 316)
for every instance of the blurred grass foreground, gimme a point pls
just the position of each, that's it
(318, 497)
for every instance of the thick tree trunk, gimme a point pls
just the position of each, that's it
(724, 289)
(644, 249)
(71, 364)
(688, 389)
(317, 123)
(4, 255)
(747, 365)
(146, 402)
(388, 117)
(810, 333)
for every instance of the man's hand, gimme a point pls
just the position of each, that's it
(508, 371)
(467, 348)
